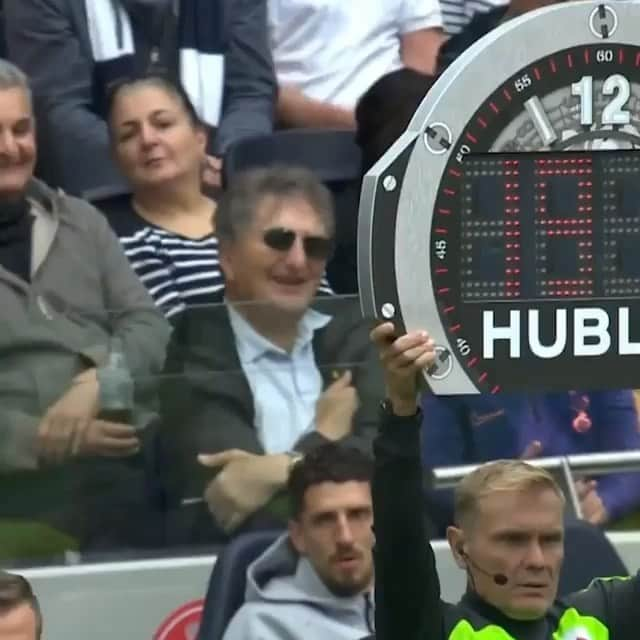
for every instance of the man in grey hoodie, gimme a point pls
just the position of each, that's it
(315, 582)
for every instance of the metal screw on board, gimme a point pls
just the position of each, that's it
(442, 365)
(438, 138)
(389, 183)
(603, 21)
(388, 310)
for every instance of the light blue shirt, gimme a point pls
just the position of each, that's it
(285, 386)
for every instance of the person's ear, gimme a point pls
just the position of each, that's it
(455, 538)
(296, 537)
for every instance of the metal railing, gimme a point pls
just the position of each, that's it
(565, 469)
(581, 464)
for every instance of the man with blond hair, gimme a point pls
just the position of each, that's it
(508, 538)
(20, 616)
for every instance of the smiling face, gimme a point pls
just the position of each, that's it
(285, 279)
(154, 140)
(518, 534)
(17, 142)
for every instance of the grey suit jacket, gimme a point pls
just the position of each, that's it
(49, 40)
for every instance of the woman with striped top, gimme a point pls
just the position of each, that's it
(167, 227)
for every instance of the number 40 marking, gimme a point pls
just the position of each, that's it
(614, 113)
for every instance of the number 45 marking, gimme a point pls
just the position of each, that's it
(614, 112)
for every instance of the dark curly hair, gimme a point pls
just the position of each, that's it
(331, 462)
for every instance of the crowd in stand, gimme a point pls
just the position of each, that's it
(178, 368)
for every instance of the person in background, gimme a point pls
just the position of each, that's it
(67, 298)
(457, 15)
(466, 21)
(75, 51)
(20, 615)
(472, 429)
(167, 225)
(385, 110)
(328, 53)
(272, 372)
(315, 582)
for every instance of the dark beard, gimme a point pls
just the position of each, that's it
(341, 590)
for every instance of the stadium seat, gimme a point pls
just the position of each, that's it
(332, 154)
(588, 555)
(335, 158)
(225, 593)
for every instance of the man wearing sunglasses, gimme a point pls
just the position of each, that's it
(272, 373)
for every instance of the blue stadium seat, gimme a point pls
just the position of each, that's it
(225, 593)
(588, 555)
(332, 154)
(336, 159)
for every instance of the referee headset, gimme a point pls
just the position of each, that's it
(499, 578)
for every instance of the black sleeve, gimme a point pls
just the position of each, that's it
(408, 604)
(614, 602)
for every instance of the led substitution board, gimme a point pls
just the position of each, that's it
(506, 219)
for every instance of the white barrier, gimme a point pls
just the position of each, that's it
(130, 600)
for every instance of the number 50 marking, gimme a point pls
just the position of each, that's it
(614, 112)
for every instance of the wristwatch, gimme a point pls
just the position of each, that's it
(387, 407)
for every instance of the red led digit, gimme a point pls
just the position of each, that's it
(564, 226)
(512, 230)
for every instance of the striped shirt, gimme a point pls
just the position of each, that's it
(177, 271)
(457, 14)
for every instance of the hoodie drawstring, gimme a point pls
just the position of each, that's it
(368, 610)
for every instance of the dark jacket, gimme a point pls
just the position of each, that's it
(207, 405)
(49, 40)
(408, 603)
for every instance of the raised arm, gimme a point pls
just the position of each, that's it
(408, 604)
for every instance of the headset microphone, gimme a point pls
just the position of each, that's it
(499, 578)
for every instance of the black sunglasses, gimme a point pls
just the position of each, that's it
(281, 239)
